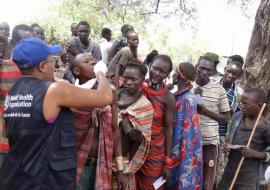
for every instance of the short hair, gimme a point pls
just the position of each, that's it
(165, 58)
(188, 70)
(208, 59)
(125, 28)
(15, 32)
(138, 65)
(35, 25)
(73, 24)
(150, 57)
(131, 32)
(238, 58)
(105, 31)
(236, 63)
(85, 23)
(259, 94)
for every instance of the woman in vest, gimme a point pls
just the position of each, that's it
(39, 123)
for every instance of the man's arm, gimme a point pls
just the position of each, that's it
(223, 115)
(219, 117)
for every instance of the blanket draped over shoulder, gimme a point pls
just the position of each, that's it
(86, 120)
(140, 114)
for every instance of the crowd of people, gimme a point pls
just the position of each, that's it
(115, 120)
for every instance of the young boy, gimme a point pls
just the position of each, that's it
(126, 54)
(213, 110)
(239, 130)
(233, 71)
(96, 134)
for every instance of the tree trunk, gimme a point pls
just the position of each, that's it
(257, 65)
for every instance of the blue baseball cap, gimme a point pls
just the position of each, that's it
(32, 51)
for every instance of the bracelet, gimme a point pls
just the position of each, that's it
(168, 162)
(267, 159)
(119, 163)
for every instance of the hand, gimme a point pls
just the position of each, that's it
(121, 180)
(251, 153)
(167, 174)
(71, 49)
(198, 90)
(136, 135)
(201, 109)
(227, 150)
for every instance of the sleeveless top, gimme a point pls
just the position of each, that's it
(42, 154)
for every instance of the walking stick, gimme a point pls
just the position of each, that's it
(248, 144)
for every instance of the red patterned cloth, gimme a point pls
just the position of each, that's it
(85, 122)
(9, 73)
(153, 166)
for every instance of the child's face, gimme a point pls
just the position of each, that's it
(86, 67)
(159, 70)
(249, 104)
(232, 73)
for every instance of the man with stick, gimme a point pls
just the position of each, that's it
(242, 142)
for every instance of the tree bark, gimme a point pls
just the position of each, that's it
(257, 65)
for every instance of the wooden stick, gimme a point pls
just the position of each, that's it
(248, 144)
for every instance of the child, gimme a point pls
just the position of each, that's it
(95, 133)
(239, 130)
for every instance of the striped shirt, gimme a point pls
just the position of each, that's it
(9, 73)
(215, 99)
(231, 95)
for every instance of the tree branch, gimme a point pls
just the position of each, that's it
(153, 12)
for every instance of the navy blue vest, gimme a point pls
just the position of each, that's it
(42, 155)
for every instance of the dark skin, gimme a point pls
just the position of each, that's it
(74, 29)
(84, 69)
(160, 70)
(3, 46)
(4, 29)
(131, 136)
(108, 36)
(83, 33)
(205, 69)
(251, 106)
(231, 73)
(39, 32)
(133, 42)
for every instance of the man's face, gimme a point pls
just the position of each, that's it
(39, 32)
(4, 29)
(25, 34)
(249, 104)
(159, 70)
(133, 40)
(108, 36)
(232, 73)
(3, 46)
(132, 80)
(205, 69)
(86, 67)
(84, 32)
(74, 29)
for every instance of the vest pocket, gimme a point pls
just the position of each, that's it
(63, 163)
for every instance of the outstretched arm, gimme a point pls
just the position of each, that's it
(62, 94)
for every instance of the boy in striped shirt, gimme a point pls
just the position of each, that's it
(214, 108)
